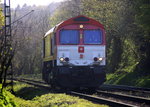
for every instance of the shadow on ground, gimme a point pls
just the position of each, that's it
(28, 93)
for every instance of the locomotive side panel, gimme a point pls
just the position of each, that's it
(49, 55)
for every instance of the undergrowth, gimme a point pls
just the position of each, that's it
(129, 70)
(5, 100)
(30, 96)
(130, 78)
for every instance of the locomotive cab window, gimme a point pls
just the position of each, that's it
(92, 36)
(69, 37)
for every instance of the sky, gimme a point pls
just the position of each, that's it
(14, 3)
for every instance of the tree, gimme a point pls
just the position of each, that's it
(6, 52)
(66, 10)
(142, 18)
(1, 17)
(28, 34)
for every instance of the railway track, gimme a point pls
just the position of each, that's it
(126, 88)
(101, 97)
(33, 82)
(101, 100)
(129, 99)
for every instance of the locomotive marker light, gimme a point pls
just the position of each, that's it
(97, 59)
(81, 26)
(61, 59)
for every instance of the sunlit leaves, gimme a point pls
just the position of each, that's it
(1, 17)
(68, 9)
(143, 14)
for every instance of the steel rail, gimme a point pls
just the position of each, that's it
(125, 87)
(42, 82)
(96, 99)
(136, 99)
(88, 97)
(32, 83)
(101, 100)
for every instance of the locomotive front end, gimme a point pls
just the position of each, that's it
(75, 54)
(81, 56)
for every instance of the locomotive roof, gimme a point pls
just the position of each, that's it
(75, 20)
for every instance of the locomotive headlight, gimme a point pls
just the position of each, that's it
(100, 59)
(61, 59)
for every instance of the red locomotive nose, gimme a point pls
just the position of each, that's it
(81, 49)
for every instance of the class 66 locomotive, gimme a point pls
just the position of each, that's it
(74, 54)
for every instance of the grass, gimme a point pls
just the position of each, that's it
(5, 100)
(28, 92)
(30, 96)
(131, 79)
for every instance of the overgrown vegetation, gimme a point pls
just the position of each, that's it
(130, 79)
(29, 96)
(5, 100)
(1, 18)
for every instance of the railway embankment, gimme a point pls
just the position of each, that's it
(136, 79)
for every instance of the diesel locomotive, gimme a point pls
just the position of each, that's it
(74, 54)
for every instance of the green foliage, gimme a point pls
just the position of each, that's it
(6, 100)
(143, 21)
(129, 57)
(29, 96)
(28, 92)
(65, 11)
(1, 18)
(131, 79)
(143, 14)
(38, 97)
(27, 37)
